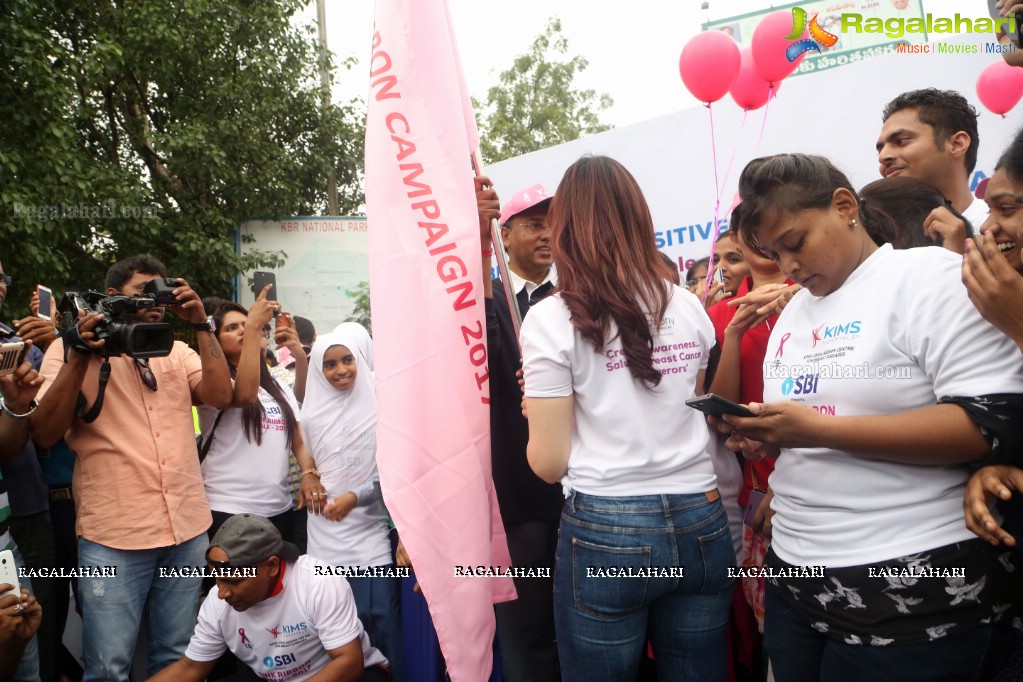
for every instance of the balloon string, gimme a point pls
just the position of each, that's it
(717, 205)
(767, 107)
(719, 189)
(714, 149)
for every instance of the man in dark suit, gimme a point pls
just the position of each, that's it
(531, 509)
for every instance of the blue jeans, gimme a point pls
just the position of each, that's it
(799, 653)
(112, 607)
(376, 601)
(28, 668)
(603, 623)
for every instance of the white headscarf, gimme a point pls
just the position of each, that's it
(356, 330)
(340, 425)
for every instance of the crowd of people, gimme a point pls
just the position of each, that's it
(841, 529)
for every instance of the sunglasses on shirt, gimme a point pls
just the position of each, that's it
(145, 373)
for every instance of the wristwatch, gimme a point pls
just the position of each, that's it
(207, 326)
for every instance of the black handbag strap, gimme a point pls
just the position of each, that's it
(209, 441)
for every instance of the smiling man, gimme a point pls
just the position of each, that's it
(931, 135)
(276, 613)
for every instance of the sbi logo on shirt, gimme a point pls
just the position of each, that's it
(801, 385)
(278, 661)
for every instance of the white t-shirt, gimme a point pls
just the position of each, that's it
(626, 439)
(285, 637)
(898, 335)
(240, 476)
(976, 213)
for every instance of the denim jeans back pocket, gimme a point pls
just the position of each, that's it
(718, 556)
(597, 575)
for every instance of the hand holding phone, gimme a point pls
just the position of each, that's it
(11, 357)
(756, 496)
(9, 573)
(259, 281)
(717, 406)
(45, 296)
(285, 321)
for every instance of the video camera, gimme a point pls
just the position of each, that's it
(135, 339)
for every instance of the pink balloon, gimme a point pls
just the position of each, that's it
(709, 64)
(750, 91)
(769, 45)
(1000, 86)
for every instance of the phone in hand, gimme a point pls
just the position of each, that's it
(45, 301)
(9, 573)
(11, 356)
(718, 406)
(756, 496)
(284, 320)
(259, 281)
(719, 276)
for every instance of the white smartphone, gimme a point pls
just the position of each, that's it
(45, 301)
(9, 572)
(719, 276)
(11, 355)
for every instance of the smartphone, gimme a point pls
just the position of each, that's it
(284, 320)
(9, 572)
(45, 301)
(261, 279)
(719, 276)
(718, 406)
(756, 496)
(11, 356)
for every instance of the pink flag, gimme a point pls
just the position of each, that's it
(433, 390)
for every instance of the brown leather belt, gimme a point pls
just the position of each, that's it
(60, 494)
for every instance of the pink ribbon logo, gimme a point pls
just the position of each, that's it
(245, 640)
(781, 345)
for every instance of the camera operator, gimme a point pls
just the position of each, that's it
(139, 493)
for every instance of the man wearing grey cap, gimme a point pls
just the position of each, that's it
(277, 612)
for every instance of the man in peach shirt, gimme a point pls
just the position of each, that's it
(138, 489)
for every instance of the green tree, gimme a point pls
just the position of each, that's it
(362, 313)
(156, 126)
(535, 104)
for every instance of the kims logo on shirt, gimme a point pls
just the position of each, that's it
(825, 333)
(286, 629)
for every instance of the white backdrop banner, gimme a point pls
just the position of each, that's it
(836, 113)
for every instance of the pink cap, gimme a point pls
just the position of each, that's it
(981, 190)
(523, 200)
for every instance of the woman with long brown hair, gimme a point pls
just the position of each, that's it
(609, 361)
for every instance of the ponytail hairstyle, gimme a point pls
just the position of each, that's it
(789, 183)
(252, 415)
(609, 269)
(908, 202)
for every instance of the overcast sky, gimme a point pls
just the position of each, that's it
(632, 47)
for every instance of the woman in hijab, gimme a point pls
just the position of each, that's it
(339, 421)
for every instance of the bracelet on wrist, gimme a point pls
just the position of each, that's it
(312, 471)
(14, 415)
(488, 251)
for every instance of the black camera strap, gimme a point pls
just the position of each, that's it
(93, 412)
(209, 440)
